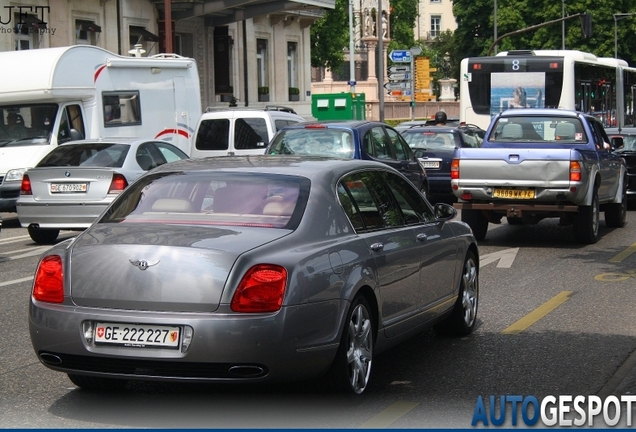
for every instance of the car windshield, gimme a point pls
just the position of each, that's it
(539, 129)
(430, 139)
(629, 143)
(313, 142)
(26, 125)
(212, 198)
(86, 155)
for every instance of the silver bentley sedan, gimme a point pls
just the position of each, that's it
(253, 269)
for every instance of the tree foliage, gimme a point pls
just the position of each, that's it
(401, 21)
(329, 36)
(475, 26)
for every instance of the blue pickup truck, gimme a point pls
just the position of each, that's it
(542, 163)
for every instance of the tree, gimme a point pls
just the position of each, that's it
(475, 26)
(402, 21)
(329, 36)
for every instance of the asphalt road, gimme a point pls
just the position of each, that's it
(555, 318)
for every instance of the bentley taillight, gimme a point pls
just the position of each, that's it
(261, 290)
(48, 284)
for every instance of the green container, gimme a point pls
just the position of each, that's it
(338, 106)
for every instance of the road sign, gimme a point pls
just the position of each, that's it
(399, 76)
(397, 85)
(401, 68)
(400, 56)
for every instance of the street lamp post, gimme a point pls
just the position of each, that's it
(616, 18)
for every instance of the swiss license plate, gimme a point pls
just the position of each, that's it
(514, 193)
(68, 187)
(430, 164)
(135, 335)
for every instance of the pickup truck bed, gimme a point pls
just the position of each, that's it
(530, 172)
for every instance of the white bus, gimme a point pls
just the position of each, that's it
(566, 79)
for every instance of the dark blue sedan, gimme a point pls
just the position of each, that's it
(434, 147)
(356, 139)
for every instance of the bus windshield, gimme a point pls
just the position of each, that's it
(571, 80)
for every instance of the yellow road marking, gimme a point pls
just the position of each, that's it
(389, 415)
(538, 313)
(621, 256)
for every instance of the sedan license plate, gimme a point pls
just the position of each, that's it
(135, 335)
(430, 164)
(68, 187)
(514, 193)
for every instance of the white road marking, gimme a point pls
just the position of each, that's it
(505, 258)
(16, 281)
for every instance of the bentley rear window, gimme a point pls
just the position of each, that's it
(256, 200)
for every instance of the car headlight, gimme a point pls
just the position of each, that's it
(15, 175)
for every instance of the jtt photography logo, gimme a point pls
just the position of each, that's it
(563, 410)
(25, 19)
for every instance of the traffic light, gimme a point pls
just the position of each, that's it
(586, 25)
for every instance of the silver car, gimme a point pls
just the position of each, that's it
(253, 269)
(72, 185)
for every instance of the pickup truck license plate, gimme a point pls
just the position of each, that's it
(68, 187)
(139, 336)
(514, 193)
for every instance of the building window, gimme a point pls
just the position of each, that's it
(86, 32)
(436, 25)
(292, 64)
(141, 36)
(184, 44)
(262, 62)
(27, 31)
(436, 1)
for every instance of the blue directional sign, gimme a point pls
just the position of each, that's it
(400, 56)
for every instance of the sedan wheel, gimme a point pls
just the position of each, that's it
(351, 369)
(462, 320)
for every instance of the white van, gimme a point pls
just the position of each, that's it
(240, 131)
(52, 95)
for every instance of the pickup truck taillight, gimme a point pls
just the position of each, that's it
(454, 169)
(575, 171)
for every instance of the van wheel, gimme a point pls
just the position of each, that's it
(616, 213)
(97, 383)
(43, 236)
(586, 222)
(461, 321)
(477, 222)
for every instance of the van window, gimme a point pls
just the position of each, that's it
(213, 134)
(250, 133)
(121, 108)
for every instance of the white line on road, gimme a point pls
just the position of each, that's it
(16, 281)
(29, 252)
(505, 257)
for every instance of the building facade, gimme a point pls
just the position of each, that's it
(242, 48)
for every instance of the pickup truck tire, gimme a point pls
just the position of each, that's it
(586, 222)
(616, 213)
(477, 222)
(461, 321)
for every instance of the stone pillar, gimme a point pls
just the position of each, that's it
(371, 43)
(447, 92)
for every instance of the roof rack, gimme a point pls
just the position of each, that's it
(279, 108)
(267, 108)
